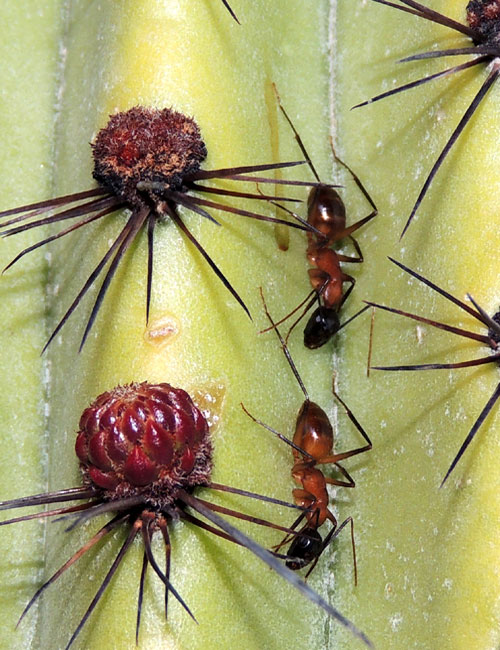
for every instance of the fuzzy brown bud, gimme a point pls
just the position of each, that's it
(484, 17)
(148, 145)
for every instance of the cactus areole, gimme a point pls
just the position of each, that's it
(146, 144)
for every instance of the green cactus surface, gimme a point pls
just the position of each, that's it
(427, 557)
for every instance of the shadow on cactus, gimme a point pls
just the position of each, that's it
(148, 161)
(483, 28)
(490, 339)
(143, 449)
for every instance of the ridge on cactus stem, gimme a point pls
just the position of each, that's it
(143, 449)
(491, 339)
(149, 161)
(483, 29)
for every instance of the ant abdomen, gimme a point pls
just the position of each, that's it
(326, 211)
(304, 549)
(313, 431)
(323, 323)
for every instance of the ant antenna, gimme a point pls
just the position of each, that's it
(297, 136)
(285, 348)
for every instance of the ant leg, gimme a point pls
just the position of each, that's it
(334, 532)
(355, 178)
(347, 232)
(296, 134)
(288, 538)
(350, 483)
(240, 515)
(352, 281)
(309, 299)
(335, 458)
(349, 258)
(279, 435)
(357, 247)
(315, 297)
(349, 320)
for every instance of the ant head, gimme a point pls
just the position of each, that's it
(484, 17)
(123, 151)
(304, 549)
(322, 325)
(326, 210)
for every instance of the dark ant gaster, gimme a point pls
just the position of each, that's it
(483, 17)
(327, 215)
(312, 445)
(491, 339)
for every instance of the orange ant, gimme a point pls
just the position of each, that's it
(326, 214)
(312, 445)
(483, 29)
(491, 339)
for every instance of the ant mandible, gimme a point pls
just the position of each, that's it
(312, 445)
(326, 213)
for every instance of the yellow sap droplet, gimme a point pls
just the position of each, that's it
(209, 398)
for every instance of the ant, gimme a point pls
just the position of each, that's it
(326, 214)
(491, 339)
(483, 29)
(312, 445)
